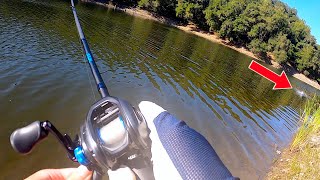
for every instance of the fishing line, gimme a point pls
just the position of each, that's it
(88, 74)
(87, 69)
(90, 80)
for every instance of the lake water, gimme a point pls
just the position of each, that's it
(43, 76)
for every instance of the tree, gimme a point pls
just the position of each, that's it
(192, 10)
(244, 22)
(305, 56)
(162, 7)
(213, 14)
(315, 72)
(281, 47)
(258, 47)
(147, 4)
(231, 13)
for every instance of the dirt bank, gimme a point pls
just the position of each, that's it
(207, 35)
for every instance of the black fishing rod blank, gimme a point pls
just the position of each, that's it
(102, 88)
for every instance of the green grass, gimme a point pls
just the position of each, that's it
(302, 159)
(310, 123)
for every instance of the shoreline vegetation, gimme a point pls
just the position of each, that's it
(192, 28)
(302, 159)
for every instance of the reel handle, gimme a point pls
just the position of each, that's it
(24, 139)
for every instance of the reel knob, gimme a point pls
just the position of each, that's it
(23, 139)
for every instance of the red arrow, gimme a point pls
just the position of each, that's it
(281, 82)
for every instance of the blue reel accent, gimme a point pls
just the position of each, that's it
(89, 57)
(124, 125)
(81, 158)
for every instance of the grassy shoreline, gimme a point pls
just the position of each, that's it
(190, 28)
(302, 159)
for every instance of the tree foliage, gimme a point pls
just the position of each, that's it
(263, 26)
(162, 7)
(192, 10)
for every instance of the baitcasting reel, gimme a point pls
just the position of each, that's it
(114, 134)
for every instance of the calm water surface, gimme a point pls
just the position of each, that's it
(43, 76)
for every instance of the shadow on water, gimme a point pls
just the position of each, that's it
(43, 76)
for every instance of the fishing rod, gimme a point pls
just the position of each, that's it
(102, 88)
(113, 134)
